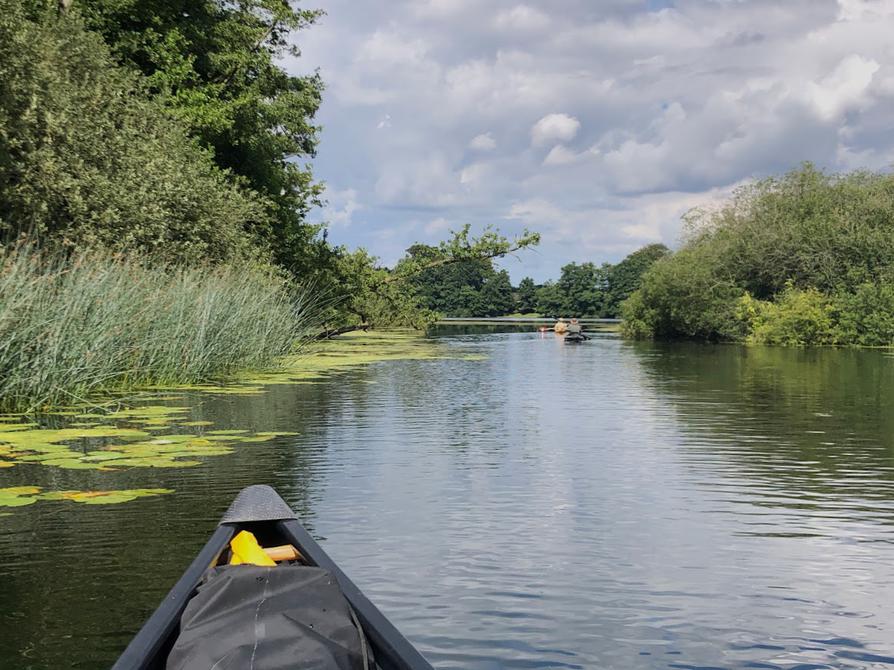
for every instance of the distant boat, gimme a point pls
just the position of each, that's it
(271, 599)
(575, 338)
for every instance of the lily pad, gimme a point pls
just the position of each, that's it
(145, 415)
(18, 496)
(104, 497)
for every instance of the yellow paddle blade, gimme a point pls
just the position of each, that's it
(247, 550)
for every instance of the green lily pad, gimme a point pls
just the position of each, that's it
(18, 496)
(104, 497)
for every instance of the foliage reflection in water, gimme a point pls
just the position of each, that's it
(607, 505)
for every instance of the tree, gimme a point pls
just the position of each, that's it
(789, 259)
(215, 66)
(549, 300)
(526, 296)
(446, 288)
(468, 285)
(582, 288)
(624, 278)
(368, 295)
(87, 160)
(496, 295)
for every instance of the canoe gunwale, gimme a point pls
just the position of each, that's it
(261, 506)
(392, 650)
(149, 643)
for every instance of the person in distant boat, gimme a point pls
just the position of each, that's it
(574, 327)
(561, 326)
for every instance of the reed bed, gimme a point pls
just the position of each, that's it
(73, 326)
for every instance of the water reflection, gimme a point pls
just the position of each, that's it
(546, 506)
(810, 430)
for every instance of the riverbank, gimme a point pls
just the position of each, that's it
(803, 259)
(156, 427)
(72, 327)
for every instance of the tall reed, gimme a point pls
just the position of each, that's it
(70, 326)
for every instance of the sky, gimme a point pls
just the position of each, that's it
(596, 123)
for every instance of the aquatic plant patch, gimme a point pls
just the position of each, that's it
(20, 496)
(107, 435)
(352, 350)
(108, 448)
(146, 415)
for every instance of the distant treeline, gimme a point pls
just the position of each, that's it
(478, 289)
(805, 258)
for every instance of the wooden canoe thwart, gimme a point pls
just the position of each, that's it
(260, 559)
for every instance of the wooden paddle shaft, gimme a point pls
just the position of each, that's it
(284, 552)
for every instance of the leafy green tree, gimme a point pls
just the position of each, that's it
(549, 300)
(624, 278)
(583, 288)
(368, 295)
(681, 297)
(215, 65)
(446, 288)
(526, 296)
(464, 288)
(496, 295)
(87, 160)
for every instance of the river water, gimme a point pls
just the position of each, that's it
(537, 505)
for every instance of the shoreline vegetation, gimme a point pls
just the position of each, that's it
(75, 326)
(802, 259)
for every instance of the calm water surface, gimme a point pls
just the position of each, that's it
(608, 505)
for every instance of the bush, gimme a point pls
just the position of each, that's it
(70, 326)
(796, 318)
(87, 159)
(789, 260)
(866, 316)
(680, 298)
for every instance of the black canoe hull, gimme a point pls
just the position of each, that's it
(575, 338)
(260, 510)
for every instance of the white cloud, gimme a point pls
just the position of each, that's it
(474, 175)
(535, 210)
(483, 142)
(675, 105)
(844, 88)
(384, 49)
(553, 127)
(340, 207)
(856, 10)
(437, 226)
(522, 18)
(560, 155)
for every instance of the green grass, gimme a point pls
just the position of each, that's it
(74, 326)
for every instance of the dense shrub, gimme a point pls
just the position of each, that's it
(88, 160)
(680, 297)
(866, 315)
(811, 253)
(797, 317)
